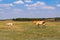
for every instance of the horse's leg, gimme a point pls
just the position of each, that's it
(44, 26)
(38, 25)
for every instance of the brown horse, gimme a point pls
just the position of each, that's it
(39, 23)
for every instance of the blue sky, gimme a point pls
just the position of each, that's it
(29, 9)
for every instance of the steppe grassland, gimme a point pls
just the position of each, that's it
(25, 30)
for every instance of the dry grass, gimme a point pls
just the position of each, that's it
(29, 31)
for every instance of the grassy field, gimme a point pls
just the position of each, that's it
(29, 31)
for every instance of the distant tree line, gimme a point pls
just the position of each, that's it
(28, 19)
(57, 19)
(31, 19)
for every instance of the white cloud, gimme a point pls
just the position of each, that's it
(6, 6)
(19, 2)
(48, 7)
(28, 1)
(11, 4)
(17, 10)
(39, 5)
(36, 4)
(10, 10)
(58, 5)
(0, 0)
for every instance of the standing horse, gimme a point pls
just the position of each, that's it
(9, 24)
(39, 23)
